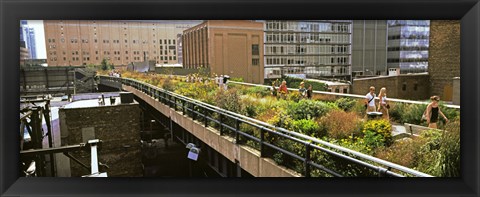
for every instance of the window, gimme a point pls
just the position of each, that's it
(255, 62)
(404, 86)
(255, 50)
(415, 86)
(169, 42)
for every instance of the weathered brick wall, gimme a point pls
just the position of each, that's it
(444, 56)
(118, 126)
(394, 85)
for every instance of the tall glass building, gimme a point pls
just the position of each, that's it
(317, 48)
(27, 35)
(408, 42)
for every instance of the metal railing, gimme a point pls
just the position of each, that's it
(229, 123)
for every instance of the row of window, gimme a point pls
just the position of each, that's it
(319, 71)
(306, 49)
(285, 37)
(75, 40)
(114, 52)
(117, 58)
(308, 26)
(396, 60)
(411, 36)
(308, 60)
(408, 48)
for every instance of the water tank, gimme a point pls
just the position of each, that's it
(126, 97)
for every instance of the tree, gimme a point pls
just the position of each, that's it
(104, 64)
(111, 67)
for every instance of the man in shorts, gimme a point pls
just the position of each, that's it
(370, 100)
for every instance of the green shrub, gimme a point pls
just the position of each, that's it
(294, 96)
(307, 109)
(237, 79)
(249, 107)
(377, 133)
(228, 100)
(258, 91)
(404, 152)
(450, 151)
(396, 111)
(168, 84)
(346, 104)
(306, 126)
(440, 155)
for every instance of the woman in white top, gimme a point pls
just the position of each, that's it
(383, 105)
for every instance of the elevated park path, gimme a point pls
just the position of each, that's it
(220, 130)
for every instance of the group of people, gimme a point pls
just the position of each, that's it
(430, 115)
(192, 78)
(114, 73)
(221, 81)
(283, 90)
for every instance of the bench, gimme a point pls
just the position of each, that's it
(415, 130)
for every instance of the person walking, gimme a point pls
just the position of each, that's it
(283, 89)
(370, 100)
(383, 103)
(302, 90)
(309, 92)
(274, 90)
(432, 112)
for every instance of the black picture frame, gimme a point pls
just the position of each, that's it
(12, 11)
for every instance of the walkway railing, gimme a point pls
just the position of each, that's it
(229, 123)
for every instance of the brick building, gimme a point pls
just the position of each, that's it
(118, 126)
(82, 42)
(405, 86)
(226, 47)
(444, 57)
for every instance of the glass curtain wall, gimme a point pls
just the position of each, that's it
(315, 48)
(408, 42)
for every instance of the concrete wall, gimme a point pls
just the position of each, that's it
(394, 85)
(118, 126)
(249, 159)
(444, 57)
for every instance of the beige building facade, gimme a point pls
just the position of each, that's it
(226, 47)
(83, 42)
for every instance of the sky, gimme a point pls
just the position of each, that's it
(37, 25)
